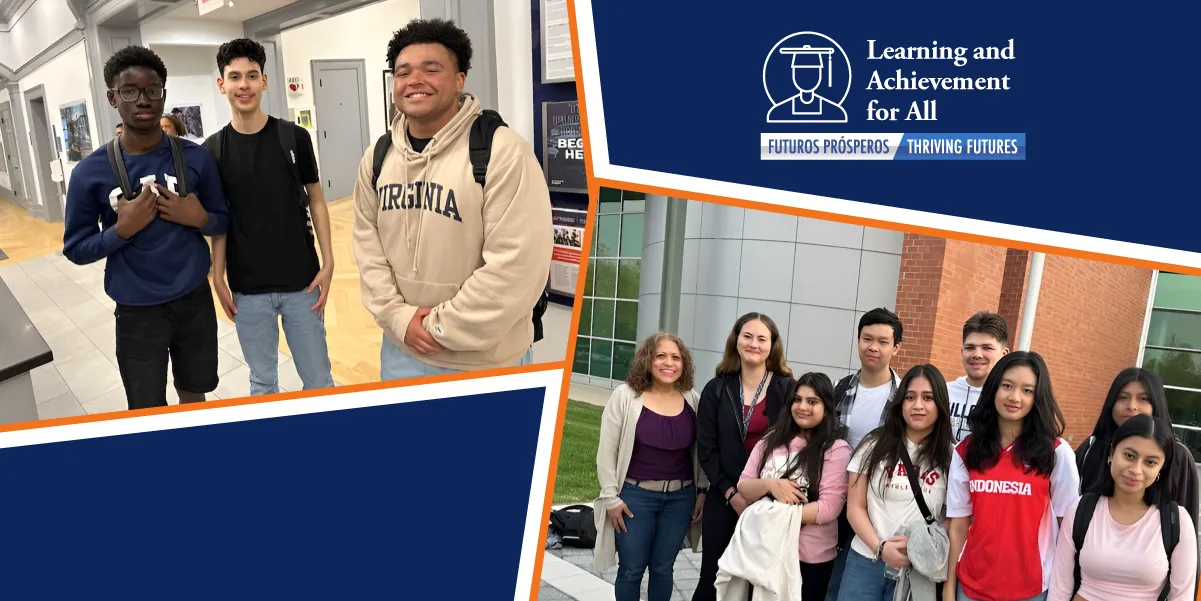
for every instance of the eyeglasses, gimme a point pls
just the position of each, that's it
(131, 93)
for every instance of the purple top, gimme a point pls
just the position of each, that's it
(663, 446)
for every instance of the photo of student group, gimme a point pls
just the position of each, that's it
(452, 265)
(889, 484)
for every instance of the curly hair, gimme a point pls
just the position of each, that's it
(432, 31)
(176, 119)
(133, 56)
(639, 379)
(241, 48)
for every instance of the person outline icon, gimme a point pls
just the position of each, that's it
(807, 106)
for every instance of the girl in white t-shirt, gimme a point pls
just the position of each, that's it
(917, 421)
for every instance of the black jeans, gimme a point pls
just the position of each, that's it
(717, 528)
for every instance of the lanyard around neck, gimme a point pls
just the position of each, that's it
(746, 417)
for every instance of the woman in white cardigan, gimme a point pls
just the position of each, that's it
(648, 471)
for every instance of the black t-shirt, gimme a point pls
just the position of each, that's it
(418, 144)
(270, 244)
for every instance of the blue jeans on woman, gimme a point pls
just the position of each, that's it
(652, 539)
(863, 580)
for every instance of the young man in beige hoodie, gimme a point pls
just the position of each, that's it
(450, 270)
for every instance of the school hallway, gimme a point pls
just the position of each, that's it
(68, 306)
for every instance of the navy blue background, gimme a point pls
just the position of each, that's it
(551, 92)
(423, 500)
(1103, 95)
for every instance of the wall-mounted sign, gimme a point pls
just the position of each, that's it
(557, 63)
(563, 147)
(295, 85)
(208, 6)
(569, 241)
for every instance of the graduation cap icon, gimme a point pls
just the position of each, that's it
(808, 57)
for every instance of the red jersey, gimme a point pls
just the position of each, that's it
(1011, 541)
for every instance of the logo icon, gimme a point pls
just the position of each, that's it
(820, 79)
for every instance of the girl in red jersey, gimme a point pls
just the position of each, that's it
(1012, 480)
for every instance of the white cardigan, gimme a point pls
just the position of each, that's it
(613, 454)
(763, 554)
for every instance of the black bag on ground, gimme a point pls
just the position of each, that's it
(575, 525)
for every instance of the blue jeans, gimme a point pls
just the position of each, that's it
(961, 596)
(840, 562)
(863, 580)
(652, 539)
(258, 320)
(396, 363)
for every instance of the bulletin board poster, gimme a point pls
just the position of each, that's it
(563, 155)
(569, 241)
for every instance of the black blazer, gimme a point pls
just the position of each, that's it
(720, 446)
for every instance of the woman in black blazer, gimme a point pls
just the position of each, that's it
(735, 410)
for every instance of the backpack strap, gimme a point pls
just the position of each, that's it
(118, 164)
(482, 132)
(181, 166)
(1084, 515)
(287, 140)
(1169, 529)
(382, 146)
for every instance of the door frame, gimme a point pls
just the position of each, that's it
(359, 65)
(52, 206)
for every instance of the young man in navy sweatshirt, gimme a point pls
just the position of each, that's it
(157, 260)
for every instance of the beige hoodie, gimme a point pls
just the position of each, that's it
(479, 257)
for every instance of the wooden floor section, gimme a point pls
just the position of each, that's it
(351, 332)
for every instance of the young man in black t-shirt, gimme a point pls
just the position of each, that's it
(269, 254)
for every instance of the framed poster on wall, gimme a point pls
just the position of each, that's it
(563, 147)
(389, 106)
(76, 130)
(565, 258)
(558, 65)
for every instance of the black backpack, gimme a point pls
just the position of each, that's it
(575, 525)
(1169, 529)
(118, 164)
(482, 131)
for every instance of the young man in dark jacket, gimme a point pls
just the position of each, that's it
(157, 261)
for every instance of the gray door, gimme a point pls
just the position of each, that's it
(10, 150)
(340, 97)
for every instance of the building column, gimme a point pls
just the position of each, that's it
(673, 265)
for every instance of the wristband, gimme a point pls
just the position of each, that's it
(730, 496)
(880, 550)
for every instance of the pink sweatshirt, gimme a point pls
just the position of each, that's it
(1124, 562)
(818, 541)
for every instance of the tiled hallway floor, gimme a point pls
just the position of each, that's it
(67, 304)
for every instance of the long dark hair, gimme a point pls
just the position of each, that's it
(889, 439)
(819, 437)
(1143, 426)
(1094, 462)
(1041, 428)
(731, 362)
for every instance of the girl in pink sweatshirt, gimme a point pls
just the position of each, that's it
(803, 460)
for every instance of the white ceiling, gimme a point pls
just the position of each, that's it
(240, 11)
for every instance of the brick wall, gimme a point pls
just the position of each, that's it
(917, 297)
(1087, 326)
(1088, 323)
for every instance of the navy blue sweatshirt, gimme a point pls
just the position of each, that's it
(165, 260)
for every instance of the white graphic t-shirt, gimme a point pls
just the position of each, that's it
(963, 398)
(897, 506)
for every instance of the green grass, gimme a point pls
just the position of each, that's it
(576, 480)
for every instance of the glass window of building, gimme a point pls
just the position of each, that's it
(1173, 350)
(609, 315)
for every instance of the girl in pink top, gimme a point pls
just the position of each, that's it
(803, 460)
(1123, 556)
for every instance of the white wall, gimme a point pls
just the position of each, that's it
(359, 34)
(67, 80)
(5, 181)
(514, 67)
(43, 24)
(192, 79)
(193, 32)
